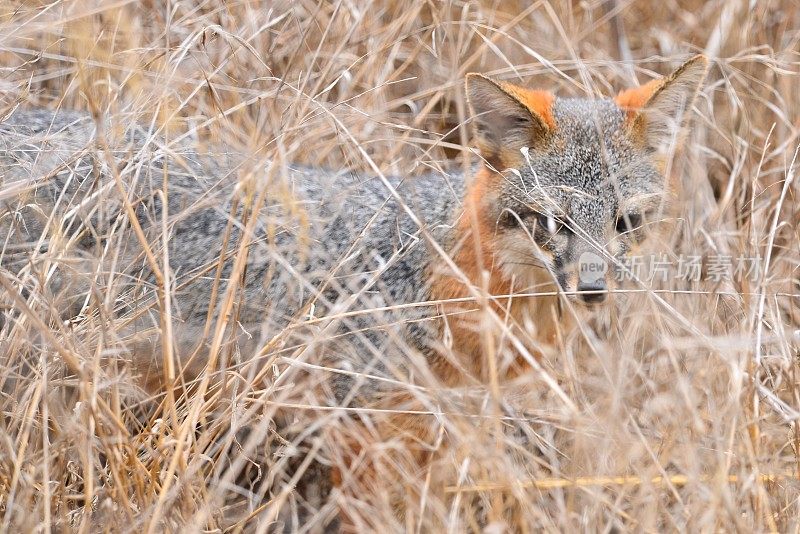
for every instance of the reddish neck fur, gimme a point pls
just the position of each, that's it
(475, 256)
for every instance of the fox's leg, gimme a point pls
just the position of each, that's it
(189, 354)
(387, 464)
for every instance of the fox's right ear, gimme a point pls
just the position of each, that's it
(655, 110)
(507, 118)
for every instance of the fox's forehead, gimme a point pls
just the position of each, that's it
(590, 160)
(587, 118)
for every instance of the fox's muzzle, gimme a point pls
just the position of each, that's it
(594, 292)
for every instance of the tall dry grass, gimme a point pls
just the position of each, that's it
(682, 415)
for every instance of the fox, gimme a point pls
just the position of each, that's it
(559, 178)
(195, 252)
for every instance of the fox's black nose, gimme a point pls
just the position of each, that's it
(592, 292)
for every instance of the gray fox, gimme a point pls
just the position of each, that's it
(107, 223)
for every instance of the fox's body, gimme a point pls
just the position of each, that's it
(325, 243)
(386, 259)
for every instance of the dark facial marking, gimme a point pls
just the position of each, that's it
(628, 222)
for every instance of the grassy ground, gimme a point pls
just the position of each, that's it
(682, 416)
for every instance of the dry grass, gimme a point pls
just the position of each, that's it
(683, 416)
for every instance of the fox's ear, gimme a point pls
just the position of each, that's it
(507, 118)
(654, 111)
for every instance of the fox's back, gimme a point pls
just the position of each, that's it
(324, 242)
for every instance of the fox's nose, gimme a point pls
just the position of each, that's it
(592, 292)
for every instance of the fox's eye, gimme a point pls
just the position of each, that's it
(543, 222)
(548, 223)
(628, 222)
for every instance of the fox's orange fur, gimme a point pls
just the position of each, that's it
(633, 99)
(538, 102)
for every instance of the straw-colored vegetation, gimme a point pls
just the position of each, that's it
(675, 408)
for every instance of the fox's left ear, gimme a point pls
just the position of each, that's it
(507, 118)
(654, 111)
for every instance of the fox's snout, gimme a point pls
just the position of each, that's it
(587, 278)
(592, 292)
(592, 272)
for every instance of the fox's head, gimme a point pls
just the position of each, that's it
(572, 183)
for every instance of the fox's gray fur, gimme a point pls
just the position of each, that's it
(325, 242)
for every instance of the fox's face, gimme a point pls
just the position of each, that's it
(572, 184)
